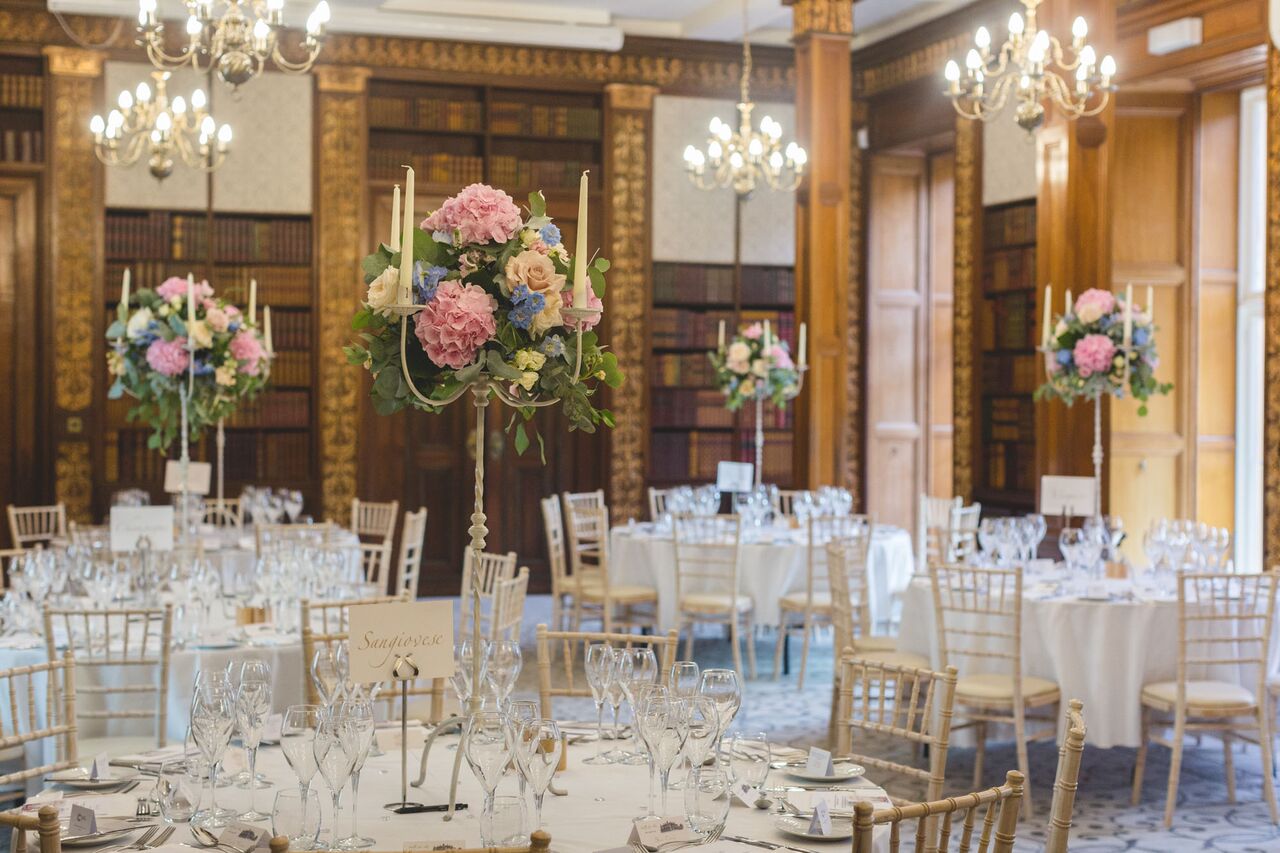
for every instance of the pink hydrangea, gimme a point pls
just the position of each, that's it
(479, 214)
(781, 358)
(247, 349)
(588, 323)
(1093, 354)
(453, 326)
(753, 332)
(1093, 304)
(168, 357)
(176, 286)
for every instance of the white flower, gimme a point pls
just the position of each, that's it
(139, 322)
(528, 237)
(527, 380)
(747, 388)
(200, 333)
(528, 359)
(759, 368)
(225, 375)
(382, 291)
(1060, 329)
(738, 352)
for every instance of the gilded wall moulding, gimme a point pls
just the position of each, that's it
(36, 26)
(853, 447)
(968, 195)
(351, 79)
(821, 16)
(629, 135)
(1271, 437)
(73, 61)
(340, 189)
(630, 96)
(73, 479)
(907, 68)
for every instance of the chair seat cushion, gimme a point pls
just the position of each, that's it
(1202, 696)
(714, 602)
(875, 643)
(594, 591)
(800, 600)
(890, 657)
(996, 688)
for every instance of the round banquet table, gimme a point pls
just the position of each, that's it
(771, 564)
(595, 815)
(1100, 652)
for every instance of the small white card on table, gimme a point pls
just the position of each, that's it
(653, 832)
(820, 824)
(84, 821)
(1067, 496)
(745, 793)
(735, 476)
(130, 523)
(198, 476)
(242, 836)
(101, 768)
(383, 634)
(819, 763)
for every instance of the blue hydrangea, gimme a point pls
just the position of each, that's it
(1107, 321)
(1064, 356)
(202, 367)
(552, 346)
(1140, 336)
(233, 326)
(525, 306)
(550, 234)
(426, 279)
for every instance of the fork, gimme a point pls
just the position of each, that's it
(138, 844)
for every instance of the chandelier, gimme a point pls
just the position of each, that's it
(236, 45)
(743, 158)
(146, 121)
(1032, 67)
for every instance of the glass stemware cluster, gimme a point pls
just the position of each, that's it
(493, 740)
(1011, 540)
(272, 506)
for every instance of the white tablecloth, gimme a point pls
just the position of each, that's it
(596, 814)
(1100, 652)
(768, 570)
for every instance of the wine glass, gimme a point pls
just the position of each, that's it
(683, 679)
(668, 740)
(324, 672)
(538, 752)
(614, 694)
(334, 750)
(703, 723)
(359, 713)
(212, 720)
(749, 757)
(461, 677)
(504, 664)
(599, 665)
(721, 686)
(253, 705)
(651, 717)
(297, 734)
(488, 751)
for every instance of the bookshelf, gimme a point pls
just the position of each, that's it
(270, 440)
(21, 113)
(1008, 364)
(690, 429)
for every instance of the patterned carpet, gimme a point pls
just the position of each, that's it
(1104, 821)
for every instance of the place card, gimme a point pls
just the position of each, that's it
(653, 832)
(198, 476)
(100, 769)
(1067, 496)
(84, 821)
(819, 763)
(820, 824)
(242, 836)
(131, 523)
(383, 634)
(744, 792)
(428, 846)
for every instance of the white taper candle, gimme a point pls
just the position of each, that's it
(266, 330)
(395, 219)
(804, 339)
(580, 257)
(406, 243)
(253, 302)
(1048, 296)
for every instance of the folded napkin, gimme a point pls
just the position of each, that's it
(153, 756)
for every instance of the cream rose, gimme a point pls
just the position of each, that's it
(200, 333)
(536, 271)
(225, 375)
(382, 291)
(549, 317)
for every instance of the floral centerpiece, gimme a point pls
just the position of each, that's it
(487, 297)
(168, 341)
(1102, 346)
(755, 366)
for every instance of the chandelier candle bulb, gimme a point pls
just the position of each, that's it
(395, 219)
(1151, 305)
(406, 242)
(580, 257)
(1067, 303)
(253, 302)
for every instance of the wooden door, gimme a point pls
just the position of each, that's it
(20, 445)
(897, 351)
(941, 381)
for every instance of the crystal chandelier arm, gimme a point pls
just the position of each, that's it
(313, 52)
(159, 58)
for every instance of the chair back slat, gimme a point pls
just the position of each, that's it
(850, 589)
(587, 534)
(374, 520)
(998, 807)
(979, 618)
(821, 531)
(1066, 782)
(707, 551)
(48, 692)
(1224, 628)
(553, 525)
(508, 607)
(663, 645)
(412, 543)
(32, 525)
(227, 512)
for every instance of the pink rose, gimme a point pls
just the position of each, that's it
(216, 318)
(753, 332)
(1093, 304)
(247, 349)
(453, 326)
(593, 301)
(1093, 354)
(480, 214)
(176, 286)
(168, 357)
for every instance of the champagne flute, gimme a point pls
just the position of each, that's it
(360, 715)
(651, 718)
(614, 696)
(212, 721)
(668, 740)
(297, 734)
(324, 672)
(538, 752)
(682, 680)
(599, 665)
(505, 662)
(637, 668)
(488, 751)
(721, 687)
(334, 760)
(253, 705)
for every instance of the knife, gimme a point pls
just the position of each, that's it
(766, 845)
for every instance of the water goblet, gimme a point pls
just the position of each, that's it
(295, 815)
(504, 664)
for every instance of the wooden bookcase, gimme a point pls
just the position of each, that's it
(690, 429)
(1008, 366)
(21, 113)
(270, 440)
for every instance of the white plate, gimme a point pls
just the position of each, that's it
(845, 771)
(215, 645)
(798, 827)
(109, 829)
(78, 777)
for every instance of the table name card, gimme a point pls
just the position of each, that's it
(390, 740)
(744, 792)
(819, 763)
(130, 523)
(820, 823)
(384, 634)
(654, 832)
(198, 476)
(735, 476)
(242, 836)
(100, 768)
(1067, 496)
(84, 821)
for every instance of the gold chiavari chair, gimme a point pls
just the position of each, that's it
(114, 643)
(484, 577)
(664, 648)
(933, 530)
(42, 708)
(594, 592)
(1224, 630)
(784, 500)
(303, 535)
(44, 823)
(657, 503)
(708, 550)
(997, 832)
(962, 538)
(37, 525)
(508, 607)
(412, 542)
(1066, 783)
(850, 610)
(227, 512)
(979, 619)
(539, 842)
(898, 703)
(561, 587)
(813, 604)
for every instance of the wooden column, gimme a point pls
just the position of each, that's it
(824, 126)
(340, 192)
(1073, 230)
(75, 273)
(630, 133)
(967, 264)
(1271, 437)
(854, 340)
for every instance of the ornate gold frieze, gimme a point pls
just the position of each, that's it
(629, 133)
(342, 79)
(36, 26)
(73, 479)
(73, 62)
(340, 172)
(628, 96)
(907, 68)
(853, 446)
(965, 263)
(821, 16)
(1271, 452)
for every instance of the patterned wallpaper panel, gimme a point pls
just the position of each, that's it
(1008, 161)
(696, 225)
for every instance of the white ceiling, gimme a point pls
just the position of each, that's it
(598, 24)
